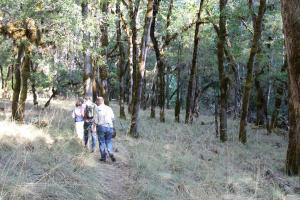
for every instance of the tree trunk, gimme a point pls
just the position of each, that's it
(133, 11)
(128, 31)
(235, 69)
(222, 76)
(196, 106)
(54, 93)
(237, 82)
(104, 43)
(130, 62)
(133, 131)
(278, 98)
(153, 97)
(291, 24)
(121, 63)
(249, 76)
(191, 86)
(17, 83)
(144, 93)
(88, 70)
(168, 87)
(260, 100)
(160, 63)
(2, 77)
(33, 84)
(177, 105)
(216, 114)
(25, 74)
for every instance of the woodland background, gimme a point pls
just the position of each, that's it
(204, 81)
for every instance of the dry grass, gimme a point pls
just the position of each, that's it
(50, 163)
(178, 161)
(169, 161)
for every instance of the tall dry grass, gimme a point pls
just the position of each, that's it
(169, 161)
(46, 162)
(179, 161)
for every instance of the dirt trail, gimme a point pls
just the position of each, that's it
(114, 177)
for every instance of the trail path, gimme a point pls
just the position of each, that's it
(114, 177)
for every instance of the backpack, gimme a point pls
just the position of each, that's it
(89, 111)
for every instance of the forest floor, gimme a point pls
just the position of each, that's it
(43, 159)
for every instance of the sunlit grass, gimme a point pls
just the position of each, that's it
(46, 162)
(168, 161)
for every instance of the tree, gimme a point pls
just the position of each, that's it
(248, 83)
(25, 34)
(192, 79)
(104, 43)
(290, 16)
(139, 73)
(160, 59)
(88, 68)
(222, 76)
(121, 63)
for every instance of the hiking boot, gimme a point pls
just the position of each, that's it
(102, 159)
(112, 157)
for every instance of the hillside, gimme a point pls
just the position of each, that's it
(169, 161)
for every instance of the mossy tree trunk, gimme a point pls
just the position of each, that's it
(127, 29)
(25, 74)
(144, 93)
(168, 87)
(33, 83)
(234, 68)
(178, 84)
(133, 131)
(153, 96)
(237, 82)
(22, 74)
(2, 76)
(160, 63)
(121, 64)
(222, 76)
(249, 76)
(133, 14)
(88, 69)
(192, 79)
(104, 43)
(177, 105)
(291, 24)
(17, 82)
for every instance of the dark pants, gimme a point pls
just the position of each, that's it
(88, 133)
(105, 140)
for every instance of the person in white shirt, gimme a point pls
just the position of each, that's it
(78, 115)
(103, 120)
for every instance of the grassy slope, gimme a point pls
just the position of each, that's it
(50, 163)
(169, 161)
(178, 161)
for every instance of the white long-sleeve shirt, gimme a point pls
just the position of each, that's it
(104, 116)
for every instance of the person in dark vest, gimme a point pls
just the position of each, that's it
(89, 131)
(103, 120)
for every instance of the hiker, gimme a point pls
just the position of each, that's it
(78, 116)
(89, 130)
(104, 117)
